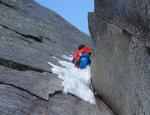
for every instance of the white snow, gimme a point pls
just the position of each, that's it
(75, 81)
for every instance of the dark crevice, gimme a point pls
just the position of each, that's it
(22, 89)
(126, 32)
(147, 49)
(5, 4)
(53, 41)
(38, 39)
(20, 67)
(56, 92)
(101, 97)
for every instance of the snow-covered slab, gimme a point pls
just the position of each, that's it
(75, 81)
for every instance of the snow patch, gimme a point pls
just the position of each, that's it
(75, 81)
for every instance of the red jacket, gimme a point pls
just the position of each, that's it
(78, 52)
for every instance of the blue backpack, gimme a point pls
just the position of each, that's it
(85, 60)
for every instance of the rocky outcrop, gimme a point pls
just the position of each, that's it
(120, 74)
(31, 36)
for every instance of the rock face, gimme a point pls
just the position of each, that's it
(120, 73)
(30, 36)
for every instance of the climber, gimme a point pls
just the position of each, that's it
(82, 57)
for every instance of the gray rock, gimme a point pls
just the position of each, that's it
(70, 105)
(26, 56)
(30, 36)
(43, 28)
(26, 93)
(17, 102)
(39, 84)
(131, 15)
(121, 68)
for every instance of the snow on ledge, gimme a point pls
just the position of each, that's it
(75, 81)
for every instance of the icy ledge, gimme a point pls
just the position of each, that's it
(75, 81)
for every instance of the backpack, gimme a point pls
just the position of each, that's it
(85, 60)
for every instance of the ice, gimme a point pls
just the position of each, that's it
(75, 81)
